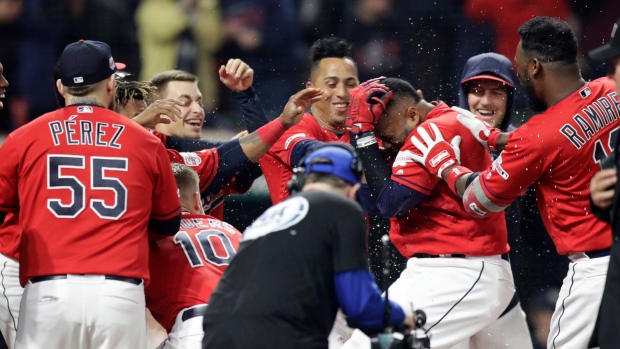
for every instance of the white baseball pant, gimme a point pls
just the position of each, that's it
(575, 313)
(187, 331)
(11, 295)
(82, 311)
(463, 299)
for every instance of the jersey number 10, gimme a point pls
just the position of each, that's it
(205, 239)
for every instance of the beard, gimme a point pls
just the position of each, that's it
(536, 104)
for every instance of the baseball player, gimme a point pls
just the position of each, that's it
(187, 267)
(299, 262)
(86, 189)
(333, 70)
(558, 151)
(235, 175)
(457, 270)
(10, 288)
(603, 192)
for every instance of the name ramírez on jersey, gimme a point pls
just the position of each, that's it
(86, 132)
(593, 118)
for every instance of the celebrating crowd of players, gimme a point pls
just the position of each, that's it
(129, 204)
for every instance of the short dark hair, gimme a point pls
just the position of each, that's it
(330, 47)
(327, 178)
(81, 91)
(161, 80)
(400, 89)
(549, 39)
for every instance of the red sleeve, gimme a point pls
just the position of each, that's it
(517, 167)
(162, 137)
(9, 200)
(204, 162)
(412, 174)
(283, 148)
(166, 201)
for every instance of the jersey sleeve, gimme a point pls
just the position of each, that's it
(349, 236)
(9, 200)
(285, 146)
(409, 173)
(166, 201)
(204, 162)
(515, 169)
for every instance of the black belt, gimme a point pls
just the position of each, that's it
(36, 279)
(193, 312)
(454, 255)
(598, 253)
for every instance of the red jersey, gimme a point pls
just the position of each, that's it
(87, 181)
(439, 224)
(10, 234)
(276, 164)
(559, 151)
(187, 267)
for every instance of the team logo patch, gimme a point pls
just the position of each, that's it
(78, 80)
(497, 167)
(279, 217)
(476, 209)
(402, 158)
(191, 159)
(85, 109)
(585, 92)
(291, 138)
(439, 158)
(111, 62)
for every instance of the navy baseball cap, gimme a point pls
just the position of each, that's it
(86, 62)
(609, 50)
(337, 160)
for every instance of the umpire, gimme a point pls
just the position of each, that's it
(606, 206)
(298, 263)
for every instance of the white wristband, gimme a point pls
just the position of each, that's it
(365, 141)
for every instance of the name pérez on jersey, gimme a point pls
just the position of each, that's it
(86, 132)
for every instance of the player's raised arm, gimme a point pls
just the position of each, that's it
(256, 144)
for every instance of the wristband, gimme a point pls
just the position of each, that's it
(271, 132)
(454, 174)
(492, 141)
(365, 139)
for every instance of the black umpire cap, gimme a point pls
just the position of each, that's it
(86, 62)
(609, 50)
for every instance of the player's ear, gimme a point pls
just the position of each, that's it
(353, 191)
(60, 88)
(413, 117)
(534, 67)
(196, 202)
(420, 93)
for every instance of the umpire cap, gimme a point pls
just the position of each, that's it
(338, 159)
(86, 62)
(609, 50)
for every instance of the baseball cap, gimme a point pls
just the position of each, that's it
(335, 160)
(86, 62)
(609, 50)
(488, 77)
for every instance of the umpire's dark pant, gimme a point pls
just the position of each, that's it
(606, 332)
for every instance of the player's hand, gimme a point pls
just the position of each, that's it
(162, 111)
(236, 75)
(298, 104)
(240, 134)
(602, 188)
(368, 101)
(483, 132)
(437, 154)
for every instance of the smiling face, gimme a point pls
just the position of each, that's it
(190, 126)
(3, 85)
(336, 77)
(489, 99)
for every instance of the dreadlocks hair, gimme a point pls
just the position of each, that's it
(128, 91)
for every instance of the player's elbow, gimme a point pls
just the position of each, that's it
(166, 227)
